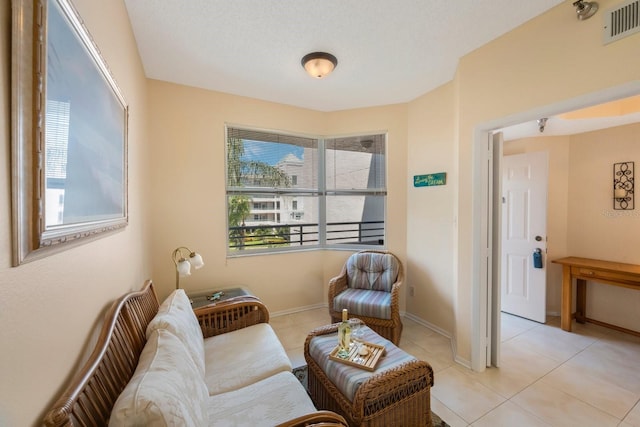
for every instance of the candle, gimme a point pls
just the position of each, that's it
(620, 193)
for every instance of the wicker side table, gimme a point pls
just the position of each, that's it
(206, 298)
(398, 396)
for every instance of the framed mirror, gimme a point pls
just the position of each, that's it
(69, 133)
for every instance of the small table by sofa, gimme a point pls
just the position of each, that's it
(397, 392)
(206, 298)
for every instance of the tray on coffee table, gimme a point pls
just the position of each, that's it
(367, 362)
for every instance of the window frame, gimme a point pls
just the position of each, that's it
(320, 192)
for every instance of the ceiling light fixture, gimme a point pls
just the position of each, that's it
(585, 9)
(319, 64)
(542, 123)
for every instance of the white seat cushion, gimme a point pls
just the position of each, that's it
(166, 389)
(239, 358)
(266, 403)
(176, 315)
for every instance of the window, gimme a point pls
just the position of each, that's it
(288, 192)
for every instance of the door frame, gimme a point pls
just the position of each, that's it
(484, 312)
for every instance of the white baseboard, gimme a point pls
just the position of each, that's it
(454, 348)
(459, 360)
(426, 324)
(297, 310)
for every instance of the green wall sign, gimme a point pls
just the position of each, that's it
(430, 180)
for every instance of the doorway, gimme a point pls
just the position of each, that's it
(485, 341)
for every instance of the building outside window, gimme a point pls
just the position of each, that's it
(288, 192)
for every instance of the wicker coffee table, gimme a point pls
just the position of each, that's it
(395, 393)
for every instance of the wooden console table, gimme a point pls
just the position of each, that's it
(583, 269)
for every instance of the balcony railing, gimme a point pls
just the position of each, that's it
(289, 235)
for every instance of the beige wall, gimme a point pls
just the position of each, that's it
(430, 210)
(595, 229)
(50, 309)
(188, 192)
(534, 66)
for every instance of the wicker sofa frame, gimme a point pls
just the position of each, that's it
(391, 329)
(90, 396)
(395, 397)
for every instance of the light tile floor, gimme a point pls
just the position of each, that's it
(547, 377)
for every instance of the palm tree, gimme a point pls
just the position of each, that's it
(239, 208)
(255, 173)
(251, 173)
(235, 151)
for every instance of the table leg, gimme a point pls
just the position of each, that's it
(581, 300)
(565, 309)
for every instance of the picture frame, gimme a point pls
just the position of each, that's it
(69, 134)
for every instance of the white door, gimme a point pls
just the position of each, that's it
(524, 227)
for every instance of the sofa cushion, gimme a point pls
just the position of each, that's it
(267, 403)
(372, 271)
(166, 388)
(239, 358)
(362, 302)
(176, 315)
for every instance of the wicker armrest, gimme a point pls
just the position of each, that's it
(337, 285)
(317, 419)
(395, 298)
(322, 330)
(89, 398)
(231, 315)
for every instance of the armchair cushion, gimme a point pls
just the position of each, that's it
(372, 271)
(362, 302)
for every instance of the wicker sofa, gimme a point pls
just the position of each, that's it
(163, 365)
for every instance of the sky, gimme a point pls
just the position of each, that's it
(269, 152)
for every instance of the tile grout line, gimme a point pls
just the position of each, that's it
(569, 394)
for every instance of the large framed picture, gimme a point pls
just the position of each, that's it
(69, 133)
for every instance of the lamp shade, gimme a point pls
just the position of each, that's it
(319, 64)
(196, 260)
(183, 267)
(184, 264)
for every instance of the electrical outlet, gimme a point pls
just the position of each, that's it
(411, 291)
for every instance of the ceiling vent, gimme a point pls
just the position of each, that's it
(621, 21)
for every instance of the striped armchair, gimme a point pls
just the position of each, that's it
(368, 287)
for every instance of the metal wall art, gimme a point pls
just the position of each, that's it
(623, 184)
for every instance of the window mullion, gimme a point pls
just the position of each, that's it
(322, 196)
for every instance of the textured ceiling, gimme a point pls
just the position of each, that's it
(388, 51)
